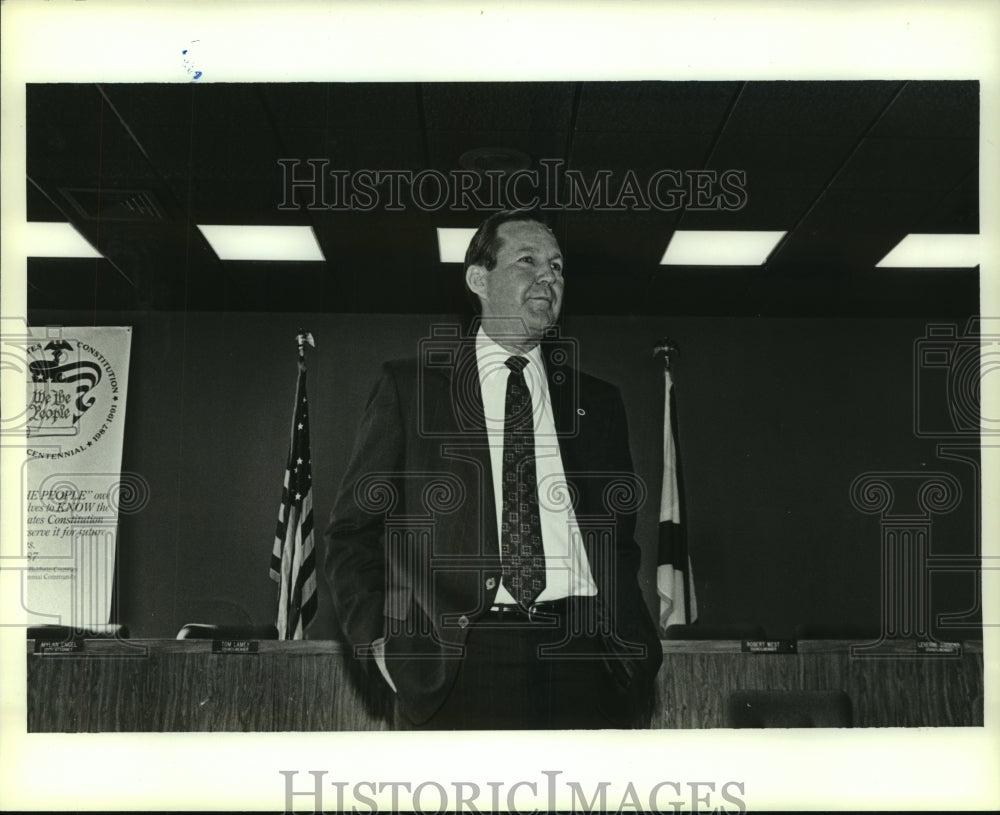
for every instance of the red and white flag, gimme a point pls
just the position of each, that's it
(674, 581)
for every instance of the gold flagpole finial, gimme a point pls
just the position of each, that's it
(302, 338)
(668, 348)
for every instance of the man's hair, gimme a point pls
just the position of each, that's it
(485, 244)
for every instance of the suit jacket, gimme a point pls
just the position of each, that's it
(412, 547)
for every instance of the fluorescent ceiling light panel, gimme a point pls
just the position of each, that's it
(718, 248)
(934, 251)
(262, 242)
(57, 240)
(452, 244)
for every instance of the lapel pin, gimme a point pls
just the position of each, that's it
(581, 412)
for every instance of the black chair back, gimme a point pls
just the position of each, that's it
(204, 631)
(696, 631)
(790, 708)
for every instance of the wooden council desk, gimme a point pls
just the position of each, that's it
(181, 685)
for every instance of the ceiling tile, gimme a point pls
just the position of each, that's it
(344, 105)
(40, 206)
(766, 207)
(908, 164)
(374, 149)
(209, 152)
(813, 108)
(372, 106)
(63, 103)
(614, 243)
(956, 212)
(934, 293)
(222, 106)
(498, 106)
(280, 286)
(646, 152)
(153, 104)
(654, 107)
(832, 251)
(781, 159)
(239, 201)
(297, 104)
(847, 230)
(943, 109)
(74, 153)
(446, 147)
(77, 283)
(705, 290)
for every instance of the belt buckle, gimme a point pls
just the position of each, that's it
(537, 612)
(505, 611)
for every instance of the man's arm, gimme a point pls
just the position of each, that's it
(355, 538)
(627, 550)
(629, 601)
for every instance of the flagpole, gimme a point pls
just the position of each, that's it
(674, 583)
(302, 339)
(293, 564)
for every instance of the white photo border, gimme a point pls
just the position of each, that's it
(128, 41)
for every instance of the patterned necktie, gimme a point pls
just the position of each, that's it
(520, 530)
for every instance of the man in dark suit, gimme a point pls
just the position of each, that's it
(480, 553)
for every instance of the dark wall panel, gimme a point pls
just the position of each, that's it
(777, 419)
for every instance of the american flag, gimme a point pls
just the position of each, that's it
(293, 559)
(674, 581)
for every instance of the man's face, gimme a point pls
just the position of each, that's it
(527, 281)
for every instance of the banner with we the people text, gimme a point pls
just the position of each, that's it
(72, 479)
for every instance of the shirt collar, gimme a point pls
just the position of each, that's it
(489, 354)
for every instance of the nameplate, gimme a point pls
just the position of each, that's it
(769, 646)
(73, 646)
(932, 647)
(235, 646)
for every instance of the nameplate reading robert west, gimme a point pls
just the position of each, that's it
(72, 480)
(235, 646)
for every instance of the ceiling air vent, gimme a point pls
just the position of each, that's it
(114, 205)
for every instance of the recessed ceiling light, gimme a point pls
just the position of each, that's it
(452, 244)
(720, 248)
(57, 240)
(262, 242)
(934, 251)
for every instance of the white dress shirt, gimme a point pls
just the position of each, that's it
(567, 571)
